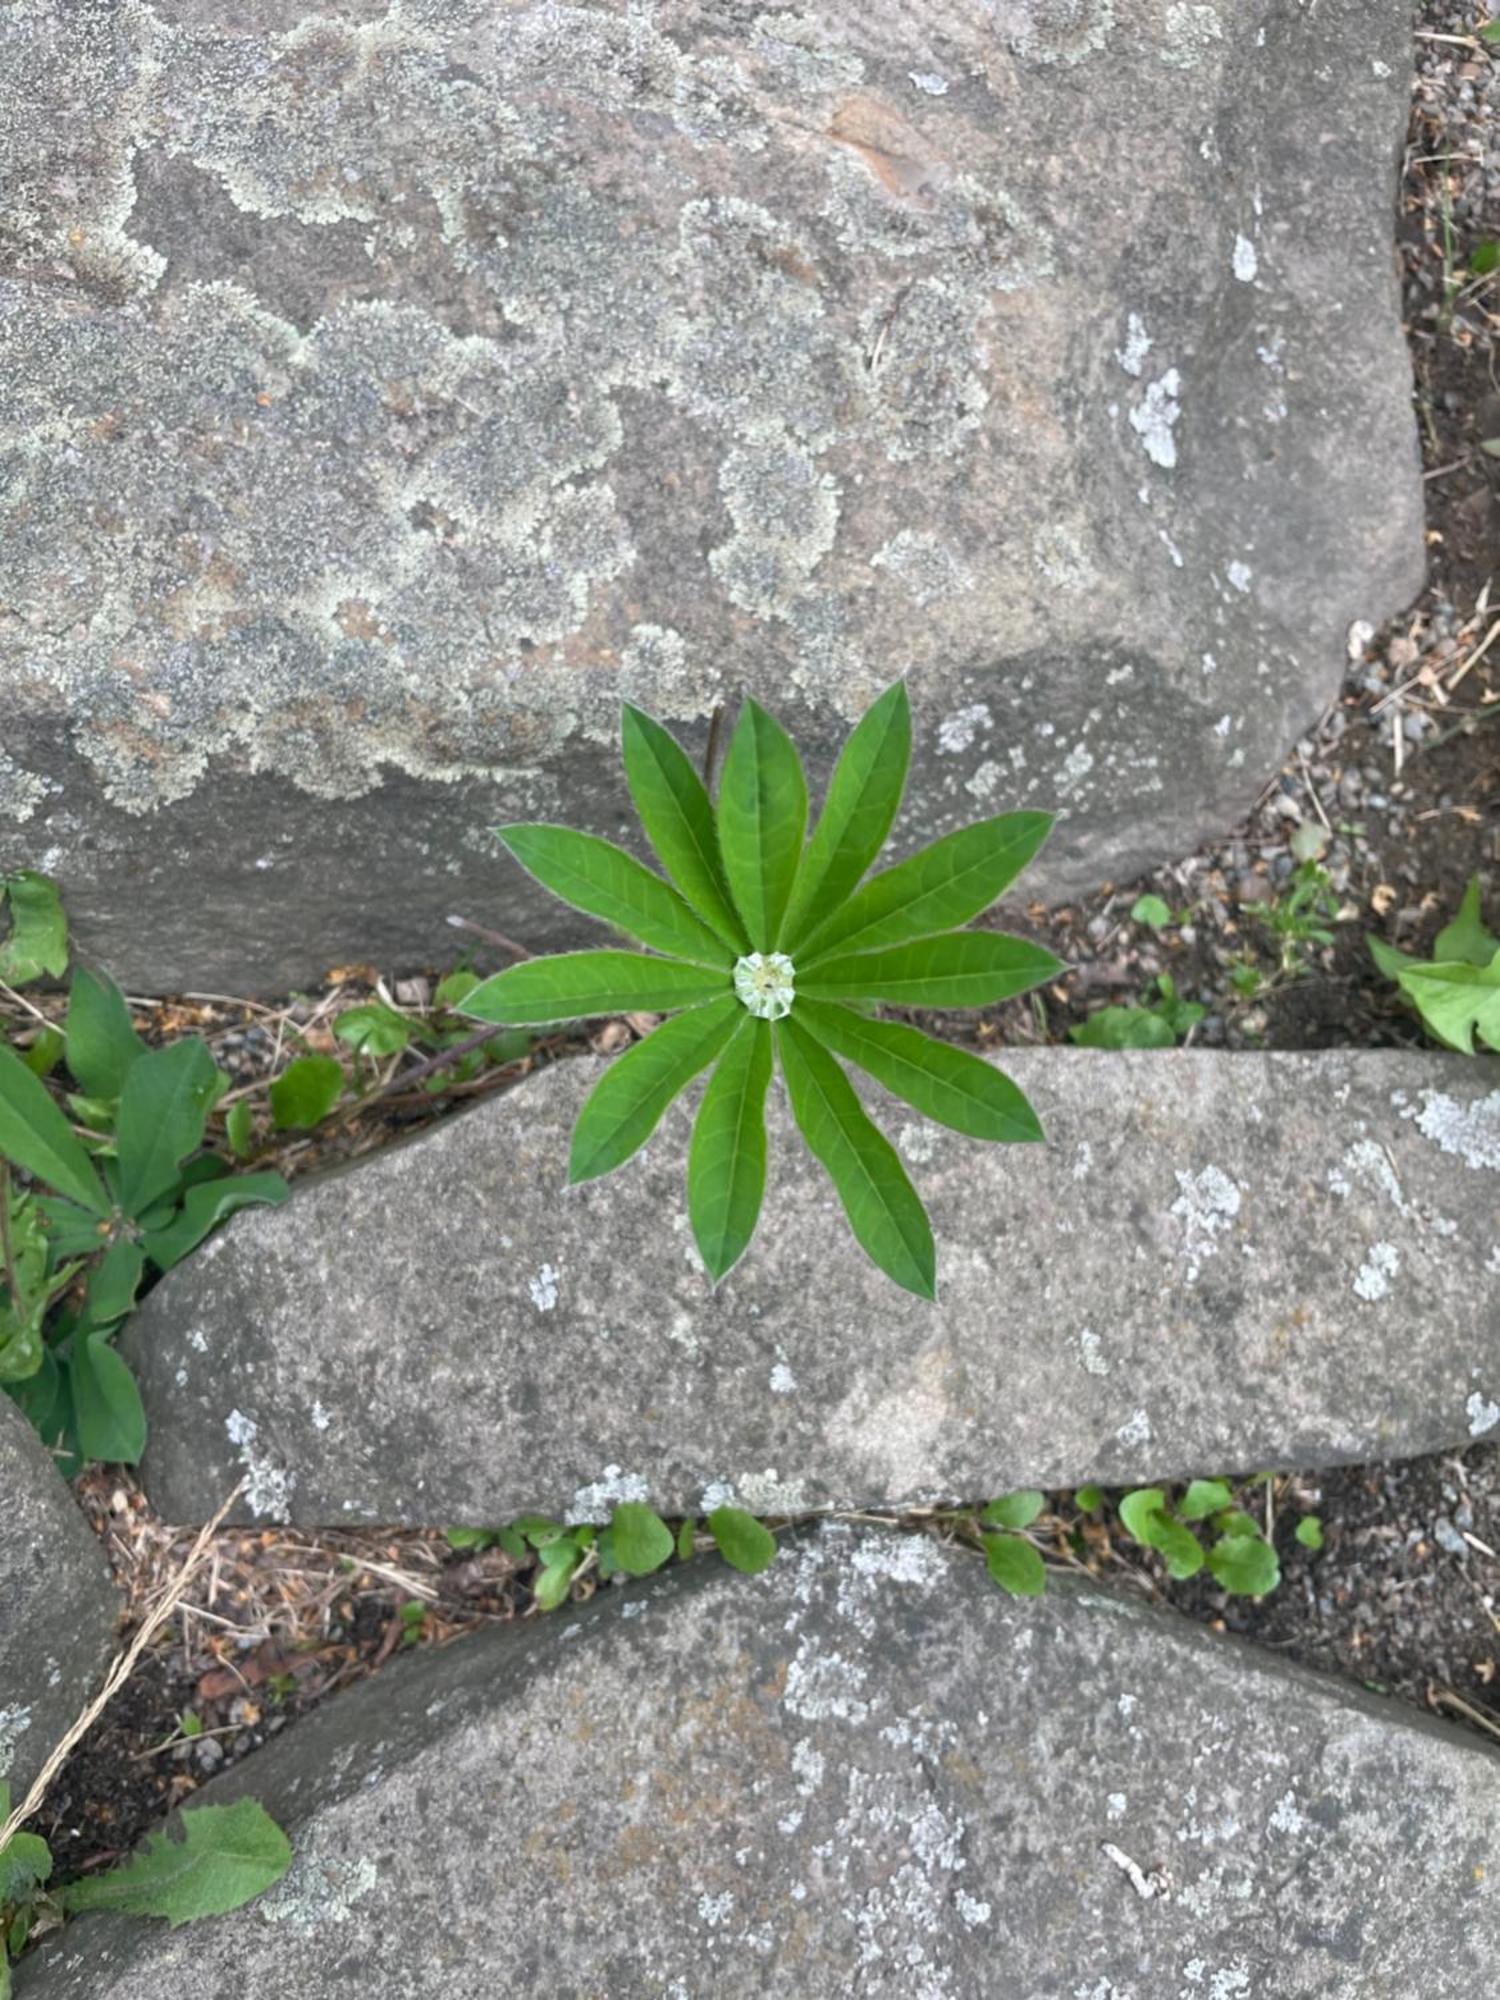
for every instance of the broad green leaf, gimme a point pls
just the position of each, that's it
(642, 1539)
(35, 1135)
(226, 1856)
(943, 1082)
(101, 1042)
(204, 1208)
(762, 817)
(551, 1583)
(1457, 1001)
(883, 1208)
(576, 985)
(167, 1096)
(1124, 1028)
(1138, 1511)
(114, 1283)
(936, 889)
(1204, 1497)
(863, 796)
(38, 941)
(1309, 1532)
(1015, 1565)
(1151, 911)
(1389, 960)
(25, 1861)
(1089, 1499)
(604, 881)
(678, 819)
(727, 1157)
(106, 1403)
(1466, 937)
(625, 1106)
(373, 1028)
(45, 1052)
(1013, 1510)
(305, 1092)
(745, 1543)
(1244, 1565)
(959, 969)
(1179, 1545)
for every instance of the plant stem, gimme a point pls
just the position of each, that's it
(7, 1251)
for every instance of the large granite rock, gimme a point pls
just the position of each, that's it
(1218, 1262)
(58, 1605)
(385, 392)
(865, 1772)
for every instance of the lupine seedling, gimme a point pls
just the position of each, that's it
(766, 946)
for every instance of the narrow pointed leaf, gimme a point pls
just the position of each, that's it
(576, 985)
(678, 819)
(100, 1041)
(961, 969)
(727, 1158)
(862, 800)
(204, 1208)
(762, 818)
(164, 1105)
(106, 1402)
(38, 941)
(1466, 937)
(35, 1135)
(936, 889)
(883, 1207)
(604, 881)
(625, 1106)
(946, 1083)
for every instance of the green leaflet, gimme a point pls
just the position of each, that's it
(305, 1092)
(1466, 937)
(946, 1083)
(641, 1539)
(1457, 1001)
(35, 1134)
(675, 811)
(38, 942)
(862, 801)
(577, 985)
(227, 1855)
(204, 1208)
(106, 1403)
(727, 1158)
(604, 881)
(936, 889)
(959, 969)
(762, 818)
(164, 1105)
(100, 1042)
(883, 1208)
(745, 1543)
(626, 1104)
(1015, 1565)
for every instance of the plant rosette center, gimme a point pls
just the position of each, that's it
(765, 981)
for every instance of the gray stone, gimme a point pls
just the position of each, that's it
(1216, 1263)
(865, 1772)
(58, 1605)
(387, 392)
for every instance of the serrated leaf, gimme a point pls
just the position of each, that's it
(1244, 1565)
(1466, 938)
(106, 1402)
(642, 1539)
(745, 1543)
(884, 1211)
(1204, 1497)
(38, 941)
(604, 881)
(727, 1157)
(35, 1135)
(373, 1029)
(1457, 1001)
(305, 1092)
(226, 1856)
(1015, 1565)
(936, 889)
(678, 819)
(945, 1083)
(762, 816)
(577, 985)
(1124, 1028)
(1013, 1510)
(625, 1106)
(204, 1208)
(958, 969)
(164, 1104)
(863, 797)
(100, 1040)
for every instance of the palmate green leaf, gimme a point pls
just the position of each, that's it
(226, 1856)
(944, 1083)
(1457, 1001)
(38, 941)
(99, 1040)
(762, 817)
(164, 1105)
(35, 1135)
(883, 1208)
(576, 985)
(1466, 937)
(604, 881)
(936, 889)
(204, 1208)
(862, 802)
(106, 1403)
(678, 819)
(727, 1157)
(625, 1106)
(958, 969)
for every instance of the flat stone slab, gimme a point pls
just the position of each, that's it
(1217, 1262)
(59, 1607)
(866, 1771)
(385, 392)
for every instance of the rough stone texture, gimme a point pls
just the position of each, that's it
(1218, 1262)
(386, 391)
(58, 1605)
(866, 1772)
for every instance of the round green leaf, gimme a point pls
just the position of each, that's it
(1015, 1565)
(744, 1543)
(1245, 1565)
(642, 1539)
(1013, 1510)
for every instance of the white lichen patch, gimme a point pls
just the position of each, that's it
(1239, 575)
(1131, 354)
(926, 568)
(1483, 1414)
(783, 1381)
(543, 1288)
(15, 1720)
(1207, 1206)
(1470, 1132)
(318, 1890)
(1192, 28)
(1091, 1352)
(957, 731)
(597, 1502)
(268, 1483)
(1245, 263)
(1136, 1430)
(1155, 416)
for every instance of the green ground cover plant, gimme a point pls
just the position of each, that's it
(1456, 991)
(767, 948)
